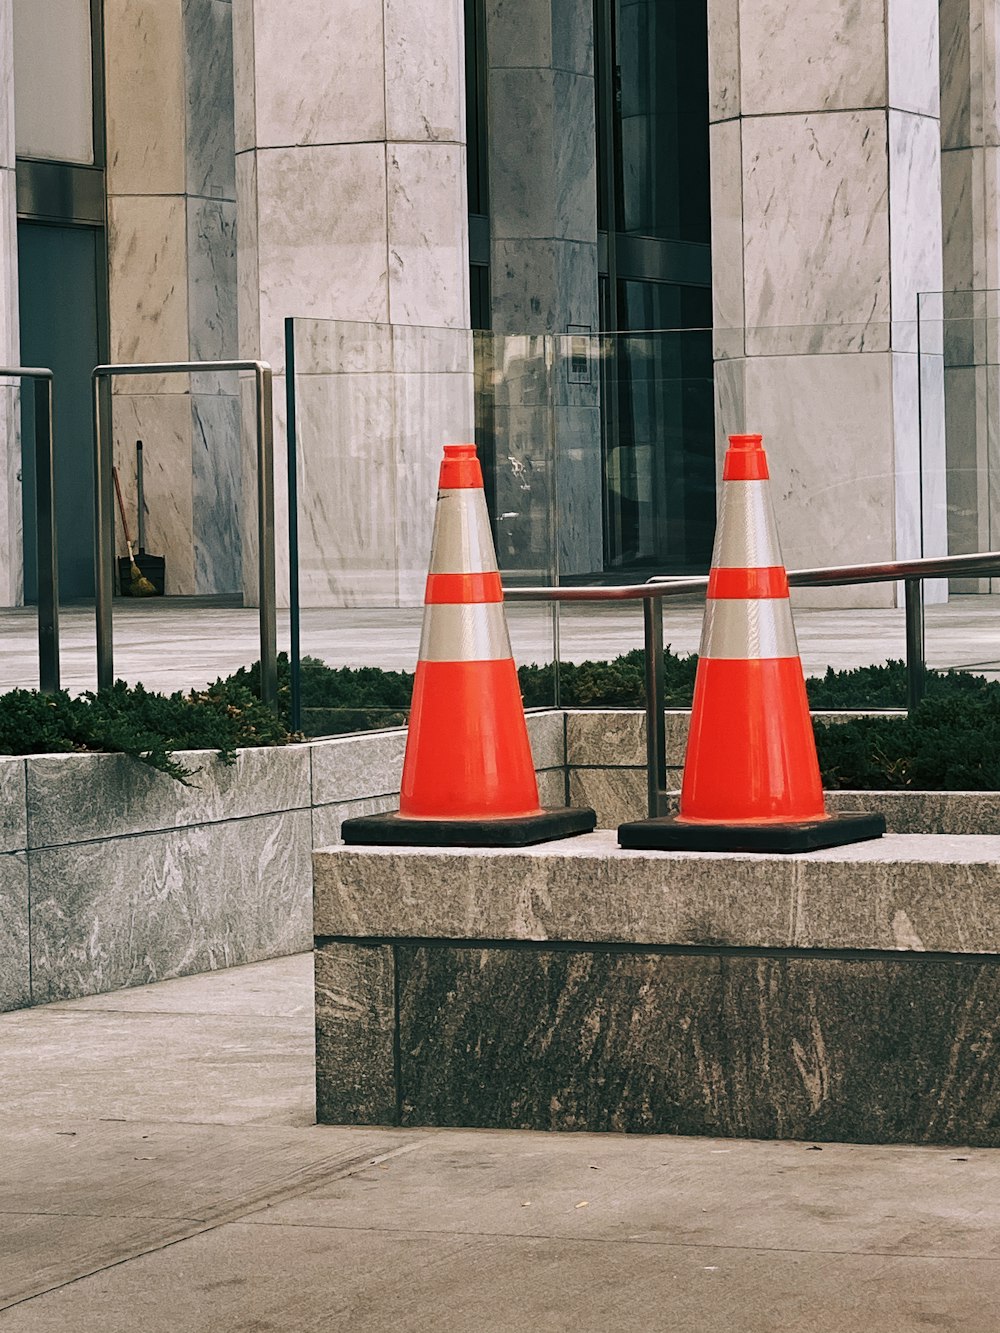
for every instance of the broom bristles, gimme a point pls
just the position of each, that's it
(140, 586)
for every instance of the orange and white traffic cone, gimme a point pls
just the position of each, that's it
(751, 775)
(468, 775)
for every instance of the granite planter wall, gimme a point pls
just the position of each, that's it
(112, 874)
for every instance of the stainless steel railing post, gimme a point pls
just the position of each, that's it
(656, 747)
(266, 591)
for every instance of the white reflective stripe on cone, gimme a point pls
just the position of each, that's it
(746, 537)
(463, 539)
(745, 627)
(464, 632)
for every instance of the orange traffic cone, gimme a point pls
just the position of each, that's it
(468, 774)
(751, 775)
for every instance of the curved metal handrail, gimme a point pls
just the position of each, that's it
(651, 593)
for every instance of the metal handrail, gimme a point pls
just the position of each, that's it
(46, 559)
(651, 593)
(103, 514)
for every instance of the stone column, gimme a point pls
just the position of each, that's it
(826, 225)
(543, 273)
(172, 276)
(11, 563)
(970, 180)
(352, 205)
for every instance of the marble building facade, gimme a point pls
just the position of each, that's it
(268, 158)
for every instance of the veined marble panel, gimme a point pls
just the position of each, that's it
(541, 286)
(913, 55)
(962, 256)
(957, 86)
(13, 811)
(519, 37)
(77, 798)
(129, 911)
(11, 532)
(327, 820)
(244, 77)
(914, 220)
(321, 239)
(248, 257)
(427, 234)
(965, 444)
(826, 56)
(211, 246)
(906, 409)
(425, 70)
(347, 489)
(726, 159)
(578, 489)
(574, 162)
(216, 493)
(816, 205)
(147, 264)
(572, 35)
(933, 457)
(211, 148)
(15, 964)
(6, 83)
(9, 316)
(730, 404)
(723, 59)
(319, 79)
(145, 98)
(163, 423)
(827, 422)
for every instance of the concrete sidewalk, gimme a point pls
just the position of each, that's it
(161, 1174)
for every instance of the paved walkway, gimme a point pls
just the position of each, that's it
(180, 643)
(161, 1174)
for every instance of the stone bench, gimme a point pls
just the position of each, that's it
(848, 994)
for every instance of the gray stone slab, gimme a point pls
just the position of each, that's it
(13, 812)
(73, 798)
(616, 794)
(366, 1280)
(552, 787)
(128, 911)
(355, 1034)
(352, 768)
(589, 889)
(605, 739)
(926, 811)
(327, 819)
(15, 965)
(547, 734)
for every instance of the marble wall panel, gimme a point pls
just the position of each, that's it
(913, 54)
(831, 55)
(15, 964)
(574, 161)
(248, 259)
(519, 36)
(914, 219)
(542, 286)
(147, 260)
(352, 768)
(966, 471)
(520, 115)
(145, 100)
(244, 78)
(347, 490)
(906, 410)
(163, 422)
(82, 797)
(829, 510)
(211, 258)
(815, 200)
(11, 554)
(216, 493)
(333, 262)
(427, 234)
(962, 257)
(211, 149)
(319, 80)
(129, 911)
(11, 533)
(13, 816)
(424, 71)
(572, 36)
(6, 83)
(328, 819)
(355, 1034)
(725, 155)
(956, 72)
(723, 59)
(9, 319)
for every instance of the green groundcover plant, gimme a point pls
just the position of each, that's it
(952, 741)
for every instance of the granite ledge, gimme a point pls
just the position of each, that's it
(902, 893)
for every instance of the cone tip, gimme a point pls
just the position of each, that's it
(459, 451)
(460, 468)
(745, 459)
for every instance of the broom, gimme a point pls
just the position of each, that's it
(139, 586)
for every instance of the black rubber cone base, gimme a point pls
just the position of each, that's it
(670, 834)
(397, 830)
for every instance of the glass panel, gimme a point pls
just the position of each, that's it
(53, 80)
(661, 49)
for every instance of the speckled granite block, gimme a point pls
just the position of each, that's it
(13, 813)
(355, 1034)
(327, 819)
(926, 811)
(127, 911)
(77, 797)
(616, 794)
(878, 1051)
(15, 966)
(552, 787)
(353, 768)
(547, 734)
(903, 891)
(606, 739)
